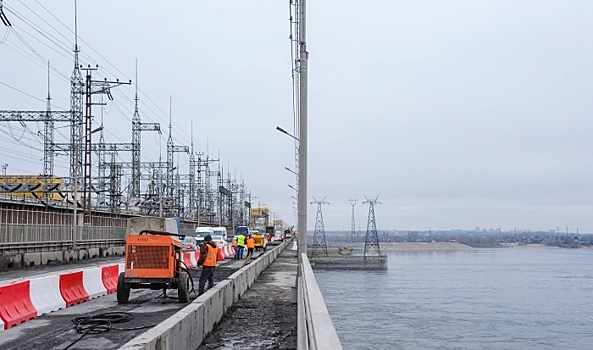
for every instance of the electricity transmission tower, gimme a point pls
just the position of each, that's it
(319, 234)
(371, 241)
(137, 127)
(353, 227)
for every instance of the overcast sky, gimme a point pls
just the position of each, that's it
(455, 114)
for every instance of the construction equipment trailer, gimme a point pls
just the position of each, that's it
(154, 261)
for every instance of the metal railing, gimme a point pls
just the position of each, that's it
(315, 329)
(20, 238)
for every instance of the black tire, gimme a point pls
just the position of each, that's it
(183, 287)
(123, 291)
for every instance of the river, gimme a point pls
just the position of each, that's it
(507, 298)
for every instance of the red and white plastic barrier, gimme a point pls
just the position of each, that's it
(220, 255)
(26, 299)
(92, 280)
(45, 294)
(16, 306)
(72, 288)
(110, 275)
(192, 257)
(187, 260)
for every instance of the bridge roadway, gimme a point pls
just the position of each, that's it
(264, 318)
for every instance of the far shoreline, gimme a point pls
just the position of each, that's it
(456, 246)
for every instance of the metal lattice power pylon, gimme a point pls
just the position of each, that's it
(171, 150)
(137, 127)
(319, 234)
(353, 226)
(371, 242)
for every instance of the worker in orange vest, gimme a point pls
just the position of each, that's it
(208, 257)
(250, 245)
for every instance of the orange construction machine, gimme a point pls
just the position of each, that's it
(153, 261)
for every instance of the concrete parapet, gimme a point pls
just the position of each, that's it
(103, 252)
(11, 261)
(93, 252)
(31, 259)
(349, 262)
(49, 257)
(188, 328)
(83, 254)
(70, 255)
(119, 250)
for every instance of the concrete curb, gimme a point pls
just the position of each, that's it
(188, 328)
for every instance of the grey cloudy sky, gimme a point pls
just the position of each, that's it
(455, 113)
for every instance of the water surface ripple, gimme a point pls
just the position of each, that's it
(519, 298)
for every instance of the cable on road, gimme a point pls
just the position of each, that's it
(101, 323)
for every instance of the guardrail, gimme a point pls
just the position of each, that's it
(315, 329)
(20, 238)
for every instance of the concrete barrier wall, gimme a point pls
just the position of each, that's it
(315, 329)
(188, 328)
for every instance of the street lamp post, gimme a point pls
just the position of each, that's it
(290, 170)
(287, 133)
(303, 78)
(75, 195)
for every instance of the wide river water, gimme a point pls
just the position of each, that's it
(508, 298)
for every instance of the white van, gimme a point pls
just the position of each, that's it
(201, 232)
(220, 232)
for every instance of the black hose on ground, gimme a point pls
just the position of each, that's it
(101, 323)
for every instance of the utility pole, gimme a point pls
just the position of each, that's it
(300, 69)
(371, 242)
(319, 240)
(92, 87)
(353, 227)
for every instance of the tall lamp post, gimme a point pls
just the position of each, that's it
(303, 78)
(302, 132)
(75, 195)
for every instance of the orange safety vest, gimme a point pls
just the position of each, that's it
(211, 256)
(234, 243)
(250, 243)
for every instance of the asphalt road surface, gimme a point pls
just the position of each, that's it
(56, 331)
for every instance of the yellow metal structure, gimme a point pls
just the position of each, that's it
(44, 183)
(259, 218)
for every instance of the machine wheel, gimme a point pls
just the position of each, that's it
(123, 291)
(183, 287)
